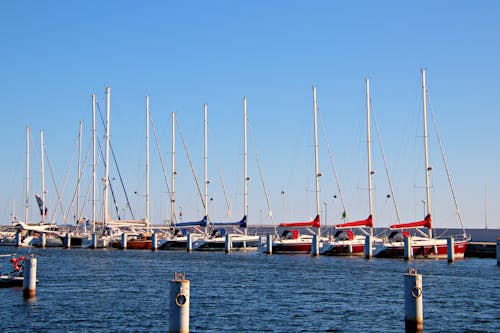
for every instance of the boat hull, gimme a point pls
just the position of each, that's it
(426, 249)
(7, 281)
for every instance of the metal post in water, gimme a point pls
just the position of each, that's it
(67, 240)
(315, 245)
(414, 317)
(154, 241)
(498, 251)
(227, 244)
(179, 304)
(29, 282)
(94, 240)
(44, 239)
(407, 248)
(451, 249)
(368, 247)
(123, 241)
(269, 244)
(189, 243)
(18, 238)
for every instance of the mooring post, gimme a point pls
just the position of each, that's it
(154, 242)
(269, 244)
(407, 248)
(29, 282)
(414, 312)
(189, 243)
(123, 241)
(94, 240)
(44, 239)
(179, 304)
(498, 251)
(315, 245)
(368, 247)
(18, 238)
(451, 249)
(67, 240)
(227, 244)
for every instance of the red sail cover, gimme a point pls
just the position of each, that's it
(427, 223)
(314, 223)
(362, 223)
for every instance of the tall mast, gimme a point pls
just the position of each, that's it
(427, 168)
(94, 166)
(317, 173)
(369, 151)
(79, 171)
(26, 202)
(245, 162)
(147, 165)
(172, 196)
(205, 157)
(106, 167)
(42, 148)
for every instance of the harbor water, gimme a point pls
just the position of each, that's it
(128, 291)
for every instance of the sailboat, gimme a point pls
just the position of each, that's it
(177, 239)
(422, 245)
(141, 241)
(345, 241)
(291, 241)
(216, 241)
(103, 238)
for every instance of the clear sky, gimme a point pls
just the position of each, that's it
(182, 54)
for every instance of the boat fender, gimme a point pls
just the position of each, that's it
(435, 249)
(180, 299)
(416, 292)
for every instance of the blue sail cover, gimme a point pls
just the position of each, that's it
(202, 223)
(242, 223)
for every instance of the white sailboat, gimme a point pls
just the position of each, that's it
(216, 241)
(422, 245)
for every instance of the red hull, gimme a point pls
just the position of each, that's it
(422, 252)
(301, 248)
(345, 250)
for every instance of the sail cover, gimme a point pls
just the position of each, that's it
(361, 223)
(314, 223)
(202, 223)
(426, 223)
(241, 223)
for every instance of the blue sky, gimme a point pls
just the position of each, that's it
(183, 54)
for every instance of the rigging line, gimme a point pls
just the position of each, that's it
(117, 168)
(190, 162)
(161, 158)
(379, 138)
(75, 193)
(261, 173)
(446, 165)
(59, 196)
(109, 182)
(219, 171)
(325, 137)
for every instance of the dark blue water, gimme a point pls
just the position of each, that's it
(128, 291)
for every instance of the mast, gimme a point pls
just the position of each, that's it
(317, 173)
(79, 171)
(172, 196)
(147, 166)
(42, 148)
(369, 151)
(245, 162)
(26, 202)
(94, 166)
(106, 161)
(426, 150)
(205, 158)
